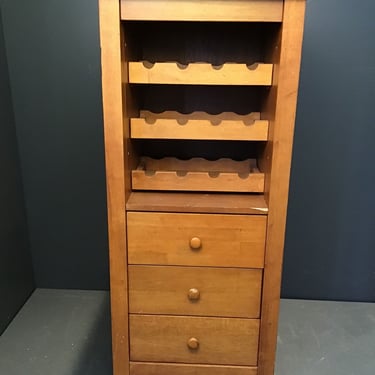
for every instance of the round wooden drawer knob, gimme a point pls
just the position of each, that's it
(193, 294)
(193, 343)
(195, 243)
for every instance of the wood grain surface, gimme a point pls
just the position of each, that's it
(172, 73)
(227, 240)
(114, 156)
(197, 203)
(152, 368)
(280, 110)
(225, 292)
(199, 129)
(227, 341)
(198, 10)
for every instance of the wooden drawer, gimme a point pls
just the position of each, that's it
(204, 291)
(196, 240)
(220, 341)
(150, 368)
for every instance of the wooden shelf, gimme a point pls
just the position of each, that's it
(202, 10)
(224, 203)
(173, 73)
(199, 126)
(223, 175)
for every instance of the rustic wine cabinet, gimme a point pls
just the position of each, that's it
(199, 103)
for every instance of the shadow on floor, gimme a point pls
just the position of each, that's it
(96, 354)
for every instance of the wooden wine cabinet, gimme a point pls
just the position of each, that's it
(199, 103)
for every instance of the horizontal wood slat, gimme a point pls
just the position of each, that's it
(200, 74)
(198, 181)
(200, 115)
(199, 125)
(202, 10)
(197, 174)
(219, 203)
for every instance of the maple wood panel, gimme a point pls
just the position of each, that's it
(227, 341)
(226, 292)
(226, 240)
(206, 10)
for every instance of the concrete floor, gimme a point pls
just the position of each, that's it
(61, 332)
(326, 338)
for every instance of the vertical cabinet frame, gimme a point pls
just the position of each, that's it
(279, 108)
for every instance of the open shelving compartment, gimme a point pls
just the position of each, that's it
(194, 96)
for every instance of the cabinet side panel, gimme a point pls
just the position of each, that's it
(114, 152)
(279, 152)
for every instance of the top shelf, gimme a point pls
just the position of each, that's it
(202, 10)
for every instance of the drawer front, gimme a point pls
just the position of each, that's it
(139, 368)
(204, 291)
(180, 339)
(196, 240)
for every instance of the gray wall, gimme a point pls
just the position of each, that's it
(54, 65)
(16, 276)
(56, 83)
(330, 247)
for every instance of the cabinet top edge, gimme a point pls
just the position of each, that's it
(202, 10)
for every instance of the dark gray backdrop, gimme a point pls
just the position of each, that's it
(54, 66)
(330, 242)
(16, 276)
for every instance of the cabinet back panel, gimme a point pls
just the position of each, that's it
(212, 150)
(188, 42)
(187, 99)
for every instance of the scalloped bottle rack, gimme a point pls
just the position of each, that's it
(197, 174)
(199, 126)
(173, 73)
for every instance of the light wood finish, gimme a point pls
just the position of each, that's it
(200, 74)
(193, 343)
(194, 294)
(198, 203)
(199, 125)
(281, 111)
(193, 253)
(198, 10)
(197, 174)
(227, 341)
(226, 292)
(198, 181)
(114, 155)
(130, 110)
(199, 130)
(152, 368)
(248, 119)
(195, 243)
(227, 240)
